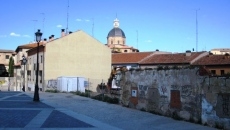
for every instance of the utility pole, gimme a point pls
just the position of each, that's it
(67, 18)
(137, 39)
(196, 31)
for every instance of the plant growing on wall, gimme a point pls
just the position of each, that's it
(11, 67)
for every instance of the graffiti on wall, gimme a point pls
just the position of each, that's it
(175, 87)
(142, 91)
(2, 82)
(163, 90)
(186, 90)
(52, 84)
(223, 105)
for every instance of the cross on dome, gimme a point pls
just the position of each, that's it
(116, 23)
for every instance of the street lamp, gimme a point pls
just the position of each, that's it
(38, 35)
(24, 60)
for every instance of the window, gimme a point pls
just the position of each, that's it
(118, 42)
(7, 57)
(41, 59)
(221, 72)
(125, 50)
(40, 75)
(29, 75)
(111, 42)
(213, 72)
(124, 42)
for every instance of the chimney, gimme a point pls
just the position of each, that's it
(62, 32)
(52, 37)
(188, 53)
(44, 41)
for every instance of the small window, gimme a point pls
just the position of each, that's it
(118, 42)
(7, 57)
(125, 50)
(213, 72)
(41, 59)
(124, 42)
(111, 42)
(221, 72)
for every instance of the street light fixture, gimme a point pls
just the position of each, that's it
(38, 35)
(24, 60)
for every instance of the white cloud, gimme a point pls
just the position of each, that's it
(59, 26)
(26, 36)
(87, 20)
(149, 41)
(79, 20)
(3, 36)
(14, 34)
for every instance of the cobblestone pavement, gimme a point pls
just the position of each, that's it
(19, 111)
(97, 114)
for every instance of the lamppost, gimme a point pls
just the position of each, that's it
(24, 60)
(38, 35)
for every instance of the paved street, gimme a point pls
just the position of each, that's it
(68, 111)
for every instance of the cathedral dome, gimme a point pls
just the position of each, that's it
(116, 32)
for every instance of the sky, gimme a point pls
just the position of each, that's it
(166, 25)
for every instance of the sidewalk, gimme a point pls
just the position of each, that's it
(68, 111)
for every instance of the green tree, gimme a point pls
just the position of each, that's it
(11, 67)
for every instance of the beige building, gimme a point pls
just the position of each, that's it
(74, 54)
(220, 51)
(4, 59)
(116, 40)
(19, 68)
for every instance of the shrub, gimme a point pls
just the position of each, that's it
(160, 67)
(52, 91)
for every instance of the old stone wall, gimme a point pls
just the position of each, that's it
(179, 94)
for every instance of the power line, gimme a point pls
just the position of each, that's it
(137, 39)
(43, 22)
(93, 28)
(34, 27)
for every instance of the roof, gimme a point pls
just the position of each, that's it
(29, 46)
(176, 58)
(213, 60)
(9, 51)
(134, 57)
(116, 32)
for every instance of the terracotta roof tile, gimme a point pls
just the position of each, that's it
(213, 60)
(29, 46)
(178, 58)
(133, 57)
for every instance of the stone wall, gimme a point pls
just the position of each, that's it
(179, 94)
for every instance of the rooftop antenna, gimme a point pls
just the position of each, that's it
(93, 28)
(67, 17)
(34, 26)
(196, 31)
(43, 20)
(137, 39)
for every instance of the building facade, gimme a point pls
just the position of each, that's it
(220, 51)
(4, 60)
(75, 54)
